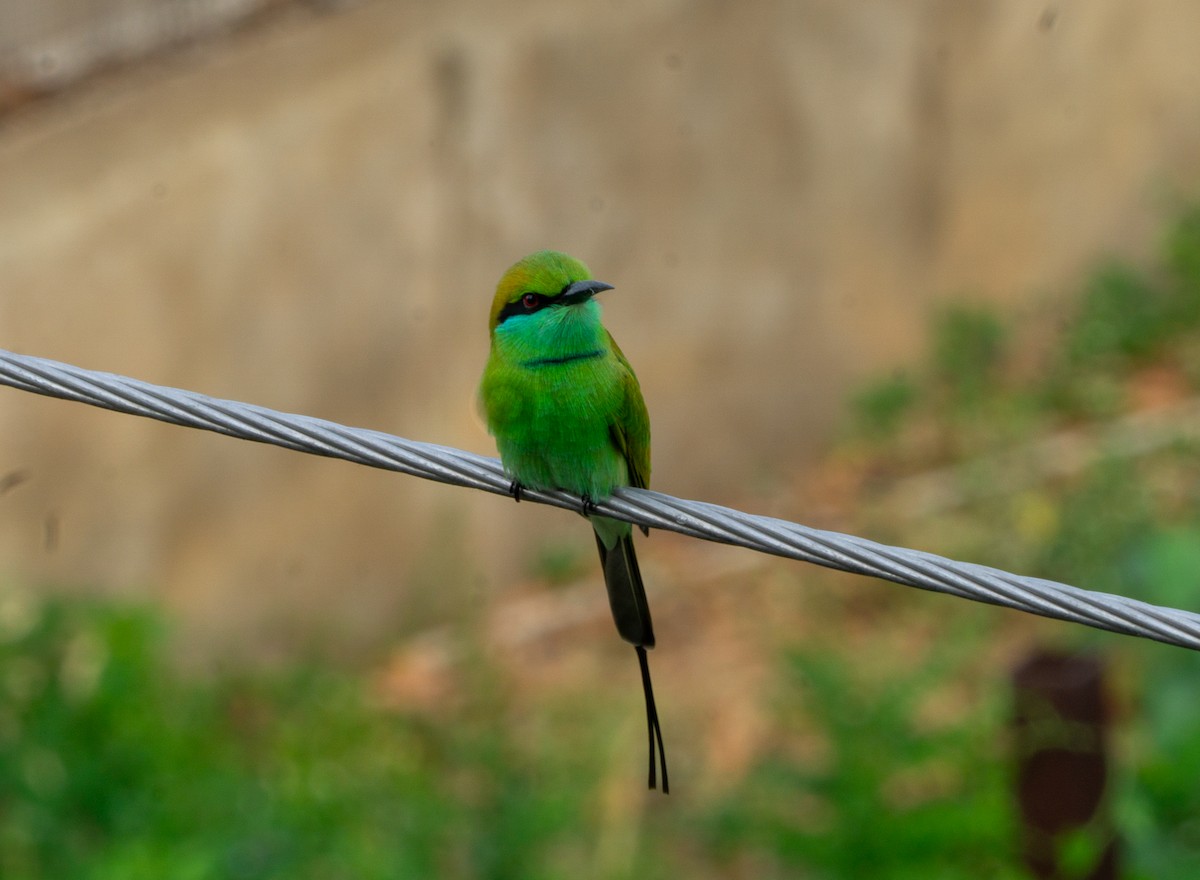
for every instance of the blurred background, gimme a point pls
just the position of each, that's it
(928, 272)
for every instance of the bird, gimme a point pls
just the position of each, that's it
(566, 412)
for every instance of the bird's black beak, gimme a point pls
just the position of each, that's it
(580, 291)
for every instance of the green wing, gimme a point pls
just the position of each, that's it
(631, 430)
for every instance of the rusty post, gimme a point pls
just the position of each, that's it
(1060, 740)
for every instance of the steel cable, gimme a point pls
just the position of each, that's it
(697, 519)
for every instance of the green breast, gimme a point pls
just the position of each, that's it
(550, 402)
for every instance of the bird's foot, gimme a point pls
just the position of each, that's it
(516, 490)
(586, 505)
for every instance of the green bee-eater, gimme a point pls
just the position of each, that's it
(567, 413)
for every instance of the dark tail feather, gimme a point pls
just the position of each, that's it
(652, 726)
(631, 613)
(626, 595)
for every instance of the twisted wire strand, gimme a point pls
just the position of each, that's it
(696, 519)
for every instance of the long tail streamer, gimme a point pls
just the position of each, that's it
(653, 730)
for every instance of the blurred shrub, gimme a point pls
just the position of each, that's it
(1129, 524)
(968, 352)
(112, 766)
(1183, 268)
(865, 783)
(881, 408)
(1123, 317)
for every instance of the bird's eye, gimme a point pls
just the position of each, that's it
(530, 301)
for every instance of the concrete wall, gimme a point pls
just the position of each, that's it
(49, 45)
(312, 216)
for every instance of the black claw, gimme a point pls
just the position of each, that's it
(587, 506)
(515, 489)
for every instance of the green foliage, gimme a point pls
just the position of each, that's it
(880, 792)
(880, 408)
(1129, 524)
(1182, 257)
(1127, 315)
(965, 372)
(1127, 318)
(112, 766)
(976, 385)
(1159, 802)
(1101, 518)
(1123, 317)
(968, 352)
(1078, 852)
(1117, 533)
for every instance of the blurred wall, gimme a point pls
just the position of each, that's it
(51, 44)
(311, 215)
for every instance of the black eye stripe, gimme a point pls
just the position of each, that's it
(518, 307)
